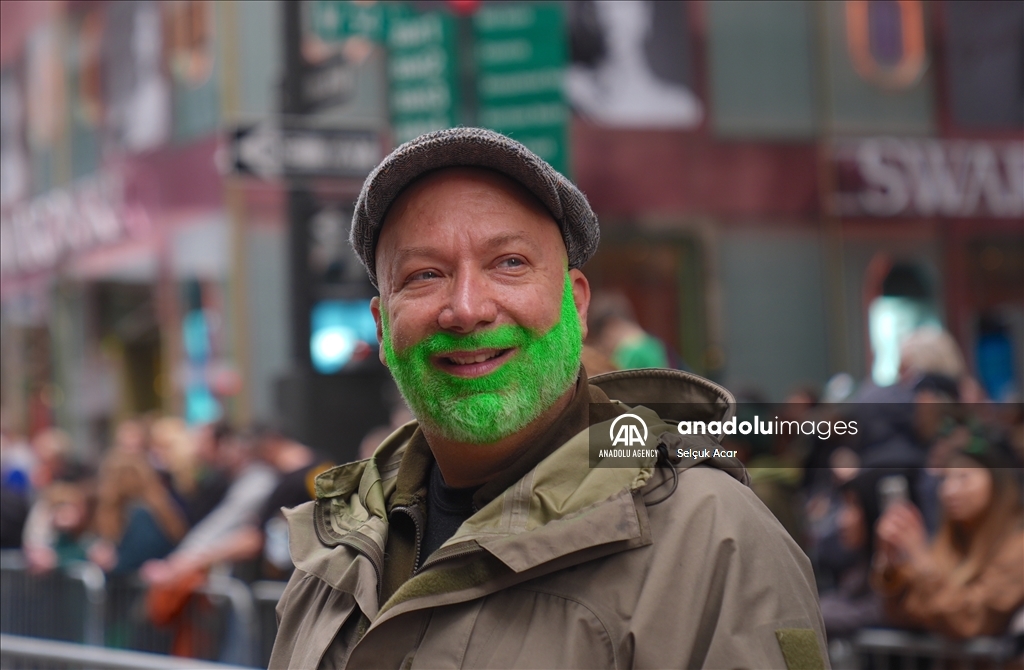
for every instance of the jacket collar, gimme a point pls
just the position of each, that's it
(560, 509)
(627, 387)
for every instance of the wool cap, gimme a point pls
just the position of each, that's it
(472, 147)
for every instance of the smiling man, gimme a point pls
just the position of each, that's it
(479, 535)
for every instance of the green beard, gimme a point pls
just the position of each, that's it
(486, 409)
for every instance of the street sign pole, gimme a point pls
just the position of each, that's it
(330, 413)
(298, 197)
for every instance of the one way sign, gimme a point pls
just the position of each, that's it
(269, 150)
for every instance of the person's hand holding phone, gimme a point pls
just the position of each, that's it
(902, 537)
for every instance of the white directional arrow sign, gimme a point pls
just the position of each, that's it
(259, 151)
(268, 150)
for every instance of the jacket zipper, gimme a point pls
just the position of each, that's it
(454, 551)
(416, 515)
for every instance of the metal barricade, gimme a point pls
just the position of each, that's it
(78, 603)
(63, 604)
(266, 595)
(883, 649)
(215, 624)
(25, 653)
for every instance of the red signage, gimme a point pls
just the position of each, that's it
(888, 176)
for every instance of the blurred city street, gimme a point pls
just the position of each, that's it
(812, 204)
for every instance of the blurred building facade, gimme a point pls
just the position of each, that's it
(783, 187)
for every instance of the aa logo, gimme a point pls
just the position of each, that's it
(628, 433)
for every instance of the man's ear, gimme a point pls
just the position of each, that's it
(580, 296)
(375, 310)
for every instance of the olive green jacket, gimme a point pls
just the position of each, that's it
(571, 567)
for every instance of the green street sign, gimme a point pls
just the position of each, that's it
(501, 68)
(520, 55)
(338, 20)
(422, 71)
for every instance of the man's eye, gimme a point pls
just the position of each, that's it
(426, 274)
(512, 262)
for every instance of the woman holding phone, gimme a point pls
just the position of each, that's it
(970, 580)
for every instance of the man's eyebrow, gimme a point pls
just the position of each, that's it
(495, 242)
(502, 240)
(411, 252)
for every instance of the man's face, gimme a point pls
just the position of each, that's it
(479, 320)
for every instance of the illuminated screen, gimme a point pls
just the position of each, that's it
(343, 331)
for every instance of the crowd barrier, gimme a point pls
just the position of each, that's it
(28, 653)
(236, 623)
(64, 604)
(883, 649)
(225, 620)
(266, 595)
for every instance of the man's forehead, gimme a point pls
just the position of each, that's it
(434, 191)
(445, 182)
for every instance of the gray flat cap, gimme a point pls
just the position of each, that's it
(472, 147)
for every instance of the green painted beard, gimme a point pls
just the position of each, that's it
(486, 409)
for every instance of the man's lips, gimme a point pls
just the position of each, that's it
(475, 363)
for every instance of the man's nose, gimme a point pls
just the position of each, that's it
(470, 305)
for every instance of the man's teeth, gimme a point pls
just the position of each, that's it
(476, 358)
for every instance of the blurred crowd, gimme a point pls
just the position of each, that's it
(165, 502)
(915, 522)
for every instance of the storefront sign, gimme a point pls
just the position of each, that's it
(40, 234)
(929, 178)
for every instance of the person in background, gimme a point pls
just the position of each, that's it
(16, 460)
(932, 352)
(13, 512)
(851, 603)
(132, 437)
(211, 479)
(931, 369)
(67, 504)
(252, 481)
(970, 580)
(137, 519)
(51, 450)
(596, 363)
(615, 333)
(298, 466)
(829, 555)
(173, 454)
(899, 424)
